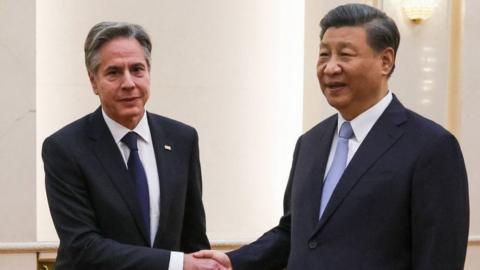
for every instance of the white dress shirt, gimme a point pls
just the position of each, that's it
(147, 156)
(361, 125)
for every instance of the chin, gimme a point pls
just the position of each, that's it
(132, 112)
(338, 102)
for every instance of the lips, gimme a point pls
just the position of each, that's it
(335, 85)
(128, 99)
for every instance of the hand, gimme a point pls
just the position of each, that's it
(218, 256)
(192, 263)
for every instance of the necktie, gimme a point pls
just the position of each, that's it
(135, 168)
(338, 165)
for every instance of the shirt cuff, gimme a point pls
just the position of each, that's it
(176, 261)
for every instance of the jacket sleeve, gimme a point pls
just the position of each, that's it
(194, 236)
(272, 249)
(439, 207)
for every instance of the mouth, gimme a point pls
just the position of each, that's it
(128, 99)
(335, 86)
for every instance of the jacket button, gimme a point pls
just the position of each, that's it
(312, 244)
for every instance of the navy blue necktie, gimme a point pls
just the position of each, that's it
(135, 168)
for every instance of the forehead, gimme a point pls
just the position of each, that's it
(345, 35)
(121, 48)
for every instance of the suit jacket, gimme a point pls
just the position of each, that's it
(92, 200)
(401, 204)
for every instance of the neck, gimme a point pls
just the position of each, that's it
(353, 111)
(130, 123)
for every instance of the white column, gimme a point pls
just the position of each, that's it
(17, 130)
(470, 115)
(17, 120)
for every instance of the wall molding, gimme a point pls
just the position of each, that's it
(27, 247)
(474, 240)
(48, 247)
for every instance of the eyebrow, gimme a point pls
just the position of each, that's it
(341, 44)
(136, 64)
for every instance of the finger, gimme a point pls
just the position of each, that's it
(204, 254)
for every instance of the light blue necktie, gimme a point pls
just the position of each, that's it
(338, 164)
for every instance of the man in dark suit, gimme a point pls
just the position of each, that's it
(376, 186)
(124, 185)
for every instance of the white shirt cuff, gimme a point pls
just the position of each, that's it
(176, 261)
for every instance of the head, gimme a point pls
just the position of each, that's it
(358, 45)
(117, 57)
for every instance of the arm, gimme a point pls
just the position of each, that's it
(272, 249)
(83, 245)
(440, 208)
(194, 236)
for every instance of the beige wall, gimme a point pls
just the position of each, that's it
(23, 261)
(17, 120)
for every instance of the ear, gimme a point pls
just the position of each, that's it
(93, 82)
(388, 60)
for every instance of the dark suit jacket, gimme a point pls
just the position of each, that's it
(92, 201)
(401, 204)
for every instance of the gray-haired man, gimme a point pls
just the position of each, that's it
(124, 185)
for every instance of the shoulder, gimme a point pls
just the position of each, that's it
(423, 137)
(424, 129)
(319, 130)
(170, 127)
(72, 131)
(69, 139)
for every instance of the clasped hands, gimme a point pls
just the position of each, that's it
(207, 260)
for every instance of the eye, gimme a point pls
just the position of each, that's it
(112, 72)
(324, 54)
(137, 69)
(347, 53)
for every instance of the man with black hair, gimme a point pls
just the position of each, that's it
(375, 186)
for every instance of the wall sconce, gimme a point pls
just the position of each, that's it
(418, 10)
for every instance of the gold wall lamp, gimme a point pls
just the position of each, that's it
(418, 10)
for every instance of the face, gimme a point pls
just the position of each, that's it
(353, 77)
(122, 81)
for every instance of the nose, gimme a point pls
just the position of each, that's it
(128, 82)
(331, 67)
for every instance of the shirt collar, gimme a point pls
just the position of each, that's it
(118, 131)
(362, 124)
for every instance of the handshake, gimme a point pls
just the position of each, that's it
(206, 260)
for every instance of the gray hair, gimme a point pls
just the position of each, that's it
(104, 32)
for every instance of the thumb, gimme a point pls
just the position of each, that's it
(204, 254)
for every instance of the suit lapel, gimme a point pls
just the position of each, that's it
(383, 135)
(164, 155)
(111, 159)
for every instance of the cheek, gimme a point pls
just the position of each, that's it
(320, 73)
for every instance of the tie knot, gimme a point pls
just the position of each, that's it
(130, 139)
(346, 131)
